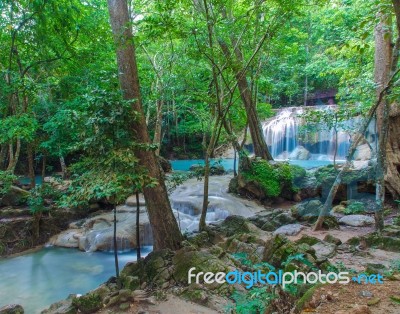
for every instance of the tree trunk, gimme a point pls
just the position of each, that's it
(63, 167)
(382, 66)
(392, 178)
(158, 127)
(14, 157)
(165, 228)
(31, 169)
(259, 144)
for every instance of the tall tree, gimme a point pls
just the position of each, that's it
(165, 228)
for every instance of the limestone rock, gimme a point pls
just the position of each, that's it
(300, 153)
(357, 220)
(324, 250)
(289, 230)
(12, 309)
(363, 152)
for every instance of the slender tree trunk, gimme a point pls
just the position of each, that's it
(63, 167)
(165, 228)
(158, 127)
(3, 156)
(31, 169)
(115, 244)
(14, 157)
(138, 248)
(44, 160)
(259, 144)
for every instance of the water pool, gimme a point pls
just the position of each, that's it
(36, 280)
(184, 165)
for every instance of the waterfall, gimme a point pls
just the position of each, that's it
(286, 141)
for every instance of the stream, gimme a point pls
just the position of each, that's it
(38, 279)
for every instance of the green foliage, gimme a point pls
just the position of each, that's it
(274, 177)
(40, 196)
(88, 303)
(354, 208)
(111, 177)
(23, 126)
(6, 180)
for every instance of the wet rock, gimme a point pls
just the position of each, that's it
(12, 309)
(357, 220)
(300, 153)
(289, 230)
(97, 232)
(268, 220)
(62, 307)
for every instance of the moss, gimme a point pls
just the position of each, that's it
(88, 303)
(306, 298)
(308, 240)
(273, 178)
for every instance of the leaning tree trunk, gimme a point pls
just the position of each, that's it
(259, 144)
(165, 228)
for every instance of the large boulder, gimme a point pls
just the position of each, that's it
(96, 233)
(307, 209)
(289, 230)
(300, 153)
(363, 152)
(357, 220)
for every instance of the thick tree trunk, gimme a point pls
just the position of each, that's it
(392, 179)
(382, 67)
(63, 167)
(165, 228)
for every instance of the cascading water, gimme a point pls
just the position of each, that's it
(282, 135)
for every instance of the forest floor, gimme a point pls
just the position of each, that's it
(353, 298)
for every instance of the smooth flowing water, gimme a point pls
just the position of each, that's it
(36, 280)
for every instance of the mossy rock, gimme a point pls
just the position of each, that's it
(156, 266)
(331, 239)
(199, 239)
(307, 296)
(202, 261)
(234, 225)
(89, 303)
(198, 296)
(308, 240)
(383, 242)
(272, 245)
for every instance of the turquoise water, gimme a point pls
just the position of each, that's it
(184, 165)
(27, 180)
(36, 280)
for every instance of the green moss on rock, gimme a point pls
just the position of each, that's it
(88, 303)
